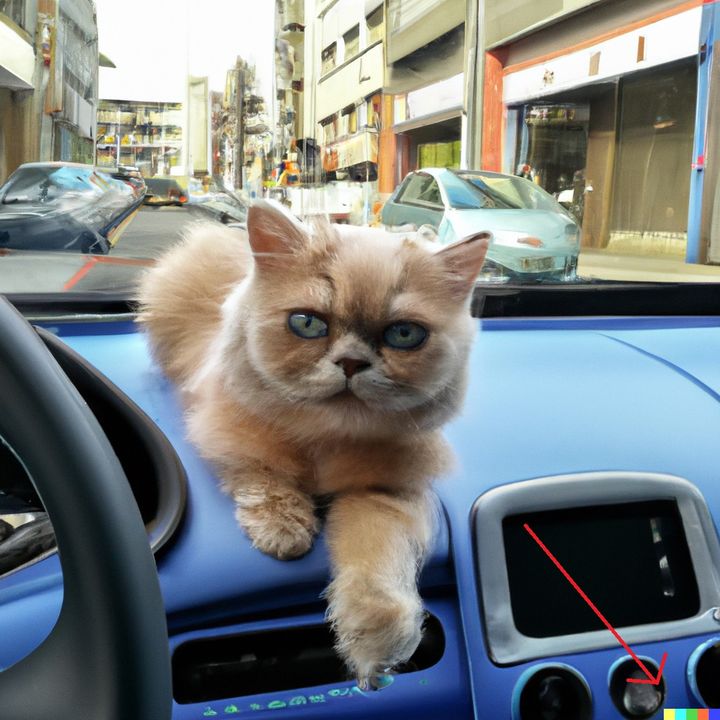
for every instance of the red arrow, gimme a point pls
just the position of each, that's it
(651, 679)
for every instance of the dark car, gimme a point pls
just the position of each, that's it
(166, 191)
(62, 206)
(131, 176)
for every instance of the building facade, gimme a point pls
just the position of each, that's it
(147, 135)
(425, 65)
(599, 100)
(48, 81)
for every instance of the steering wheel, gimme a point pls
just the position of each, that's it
(107, 657)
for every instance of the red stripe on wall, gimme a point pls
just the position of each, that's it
(493, 126)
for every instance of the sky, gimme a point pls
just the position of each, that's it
(156, 43)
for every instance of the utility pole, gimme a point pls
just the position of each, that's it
(474, 69)
(240, 122)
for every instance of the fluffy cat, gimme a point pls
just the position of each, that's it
(321, 361)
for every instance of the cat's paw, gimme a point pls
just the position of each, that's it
(375, 630)
(280, 522)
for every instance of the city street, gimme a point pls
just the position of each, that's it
(151, 231)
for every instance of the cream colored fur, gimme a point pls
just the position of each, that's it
(283, 424)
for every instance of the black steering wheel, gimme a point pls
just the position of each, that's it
(107, 657)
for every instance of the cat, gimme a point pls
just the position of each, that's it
(321, 361)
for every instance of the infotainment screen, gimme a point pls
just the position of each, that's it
(632, 561)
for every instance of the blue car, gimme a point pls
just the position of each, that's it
(534, 237)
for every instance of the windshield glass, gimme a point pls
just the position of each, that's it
(576, 135)
(48, 184)
(492, 190)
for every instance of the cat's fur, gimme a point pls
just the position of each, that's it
(273, 413)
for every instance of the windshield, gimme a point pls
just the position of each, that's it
(49, 184)
(578, 136)
(492, 190)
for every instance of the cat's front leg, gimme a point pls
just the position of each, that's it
(258, 470)
(377, 543)
(276, 514)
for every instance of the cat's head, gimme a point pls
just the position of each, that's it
(361, 329)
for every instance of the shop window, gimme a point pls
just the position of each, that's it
(329, 129)
(421, 189)
(654, 152)
(375, 26)
(349, 120)
(553, 144)
(328, 59)
(352, 42)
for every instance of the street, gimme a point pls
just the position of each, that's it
(151, 231)
(144, 237)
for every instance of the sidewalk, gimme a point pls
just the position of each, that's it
(616, 266)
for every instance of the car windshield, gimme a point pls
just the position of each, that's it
(48, 184)
(584, 128)
(492, 190)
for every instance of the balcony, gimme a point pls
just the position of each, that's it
(17, 59)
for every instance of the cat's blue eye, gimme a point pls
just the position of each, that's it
(404, 335)
(307, 325)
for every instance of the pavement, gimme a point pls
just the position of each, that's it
(643, 268)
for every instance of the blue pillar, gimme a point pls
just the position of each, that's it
(708, 33)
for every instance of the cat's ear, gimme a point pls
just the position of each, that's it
(463, 260)
(273, 235)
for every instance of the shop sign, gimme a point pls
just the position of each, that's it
(440, 96)
(556, 115)
(663, 41)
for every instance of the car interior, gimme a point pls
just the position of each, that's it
(565, 430)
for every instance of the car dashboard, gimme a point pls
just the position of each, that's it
(598, 432)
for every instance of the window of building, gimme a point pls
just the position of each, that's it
(352, 42)
(654, 152)
(375, 27)
(15, 10)
(328, 59)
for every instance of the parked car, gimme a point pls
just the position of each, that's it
(62, 206)
(534, 237)
(129, 175)
(166, 191)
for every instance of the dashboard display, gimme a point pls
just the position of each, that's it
(631, 559)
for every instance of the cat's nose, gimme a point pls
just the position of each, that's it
(351, 366)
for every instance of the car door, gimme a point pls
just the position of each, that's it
(417, 202)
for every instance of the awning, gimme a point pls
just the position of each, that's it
(357, 149)
(17, 60)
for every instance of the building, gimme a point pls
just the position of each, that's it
(598, 99)
(368, 90)
(48, 81)
(147, 135)
(159, 137)
(329, 79)
(242, 132)
(424, 87)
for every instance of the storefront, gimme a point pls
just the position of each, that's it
(146, 135)
(427, 125)
(601, 108)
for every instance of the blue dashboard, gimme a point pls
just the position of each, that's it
(547, 397)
